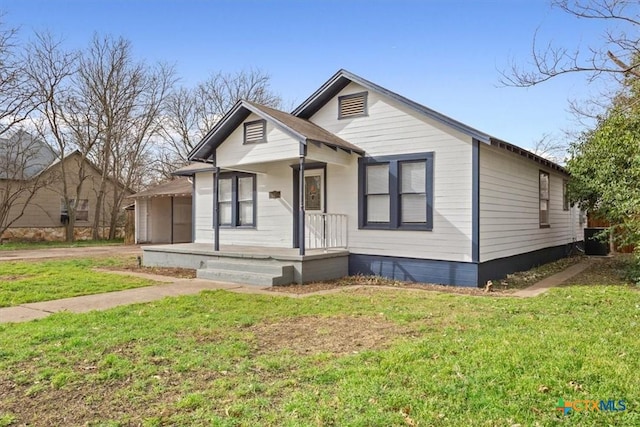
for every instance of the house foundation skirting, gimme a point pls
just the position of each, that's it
(52, 234)
(452, 272)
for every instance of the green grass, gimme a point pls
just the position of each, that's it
(216, 359)
(12, 246)
(31, 281)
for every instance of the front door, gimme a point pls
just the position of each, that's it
(314, 191)
(314, 203)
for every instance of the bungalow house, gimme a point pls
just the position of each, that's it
(38, 212)
(163, 212)
(361, 180)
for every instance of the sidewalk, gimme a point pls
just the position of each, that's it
(173, 287)
(553, 281)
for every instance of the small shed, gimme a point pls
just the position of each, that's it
(163, 212)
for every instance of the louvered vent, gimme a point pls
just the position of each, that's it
(352, 105)
(254, 132)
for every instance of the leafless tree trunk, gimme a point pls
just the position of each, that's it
(50, 68)
(129, 96)
(191, 113)
(617, 56)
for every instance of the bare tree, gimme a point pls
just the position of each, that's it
(552, 148)
(617, 56)
(17, 99)
(192, 112)
(129, 96)
(50, 69)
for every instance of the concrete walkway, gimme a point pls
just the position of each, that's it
(83, 304)
(175, 287)
(555, 280)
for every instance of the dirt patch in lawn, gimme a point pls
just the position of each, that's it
(316, 334)
(181, 273)
(358, 280)
(14, 277)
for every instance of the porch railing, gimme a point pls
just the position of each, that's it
(325, 230)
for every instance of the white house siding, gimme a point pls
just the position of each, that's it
(509, 207)
(274, 216)
(391, 129)
(234, 152)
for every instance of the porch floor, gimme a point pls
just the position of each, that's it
(239, 251)
(243, 264)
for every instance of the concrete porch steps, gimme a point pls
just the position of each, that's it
(247, 271)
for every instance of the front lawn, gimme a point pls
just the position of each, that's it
(363, 357)
(32, 281)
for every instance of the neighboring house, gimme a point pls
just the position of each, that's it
(45, 214)
(163, 212)
(380, 184)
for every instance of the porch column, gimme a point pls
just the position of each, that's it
(172, 222)
(301, 227)
(216, 216)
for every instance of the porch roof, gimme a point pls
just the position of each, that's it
(192, 168)
(301, 129)
(176, 187)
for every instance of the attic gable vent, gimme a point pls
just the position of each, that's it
(255, 132)
(354, 105)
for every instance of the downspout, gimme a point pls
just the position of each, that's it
(216, 215)
(301, 225)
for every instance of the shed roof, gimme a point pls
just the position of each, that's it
(175, 187)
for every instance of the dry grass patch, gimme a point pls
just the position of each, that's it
(339, 335)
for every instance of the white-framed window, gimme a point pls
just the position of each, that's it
(544, 198)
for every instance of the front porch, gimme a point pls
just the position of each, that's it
(251, 264)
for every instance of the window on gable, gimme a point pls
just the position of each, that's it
(396, 192)
(237, 200)
(354, 105)
(82, 210)
(255, 132)
(544, 199)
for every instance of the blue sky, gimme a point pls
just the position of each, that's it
(444, 54)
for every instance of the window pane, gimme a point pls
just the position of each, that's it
(378, 208)
(413, 177)
(245, 188)
(378, 179)
(544, 186)
(246, 213)
(225, 213)
(414, 208)
(224, 193)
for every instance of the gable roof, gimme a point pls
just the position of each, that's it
(298, 128)
(175, 187)
(23, 156)
(342, 78)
